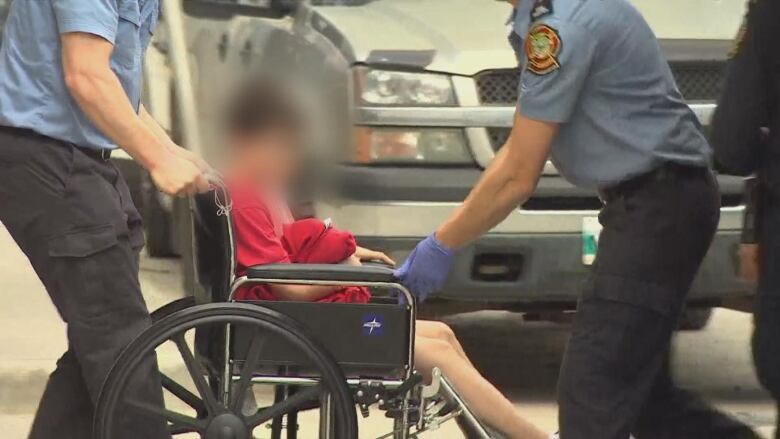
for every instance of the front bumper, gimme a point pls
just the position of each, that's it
(533, 258)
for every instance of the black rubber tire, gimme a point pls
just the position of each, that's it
(172, 308)
(333, 378)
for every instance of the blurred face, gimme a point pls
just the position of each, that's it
(267, 159)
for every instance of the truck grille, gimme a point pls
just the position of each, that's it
(698, 81)
(498, 137)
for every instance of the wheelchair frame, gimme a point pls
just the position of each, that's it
(401, 427)
(407, 395)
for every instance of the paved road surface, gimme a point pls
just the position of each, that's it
(521, 358)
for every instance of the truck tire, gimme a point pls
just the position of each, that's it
(157, 221)
(695, 319)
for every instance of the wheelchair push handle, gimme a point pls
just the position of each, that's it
(215, 179)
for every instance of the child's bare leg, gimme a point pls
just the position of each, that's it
(440, 331)
(482, 397)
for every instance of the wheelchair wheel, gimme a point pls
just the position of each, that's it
(193, 406)
(172, 308)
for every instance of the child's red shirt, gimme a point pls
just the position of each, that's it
(265, 234)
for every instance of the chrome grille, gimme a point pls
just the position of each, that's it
(698, 81)
(497, 87)
(498, 137)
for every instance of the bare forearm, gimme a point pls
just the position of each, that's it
(498, 193)
(302, 293)
(101, 96)
(507, 183)
(155, 127)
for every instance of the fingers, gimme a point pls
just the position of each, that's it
(202, 184)
(384, 258)
(194, 159)
(371, 255)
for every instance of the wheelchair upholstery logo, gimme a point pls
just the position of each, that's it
(373, 325)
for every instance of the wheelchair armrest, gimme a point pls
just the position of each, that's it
(322, 272)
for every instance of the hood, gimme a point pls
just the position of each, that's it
(468, 36)
(464, 38)
(693, 19)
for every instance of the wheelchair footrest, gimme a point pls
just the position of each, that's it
(442, 403)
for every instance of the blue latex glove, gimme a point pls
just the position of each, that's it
(426, 269)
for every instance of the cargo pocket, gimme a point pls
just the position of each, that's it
(85, 263)
(618, 336)
(83, 243)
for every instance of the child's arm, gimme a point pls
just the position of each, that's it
(368, 255)
(302, 293)
(310, 293)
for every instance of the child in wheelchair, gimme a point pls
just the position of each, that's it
(264, 137)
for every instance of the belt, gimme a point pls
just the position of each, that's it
(97, 154)
(665, 172)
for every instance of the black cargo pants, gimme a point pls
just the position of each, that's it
(615, 378)
(766, 337)
(71, 214)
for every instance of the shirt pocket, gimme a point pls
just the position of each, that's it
(127, 47)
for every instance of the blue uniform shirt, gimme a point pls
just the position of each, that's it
(595, 68)
(32, 86)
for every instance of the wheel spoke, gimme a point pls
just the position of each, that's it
(183, 394)
(198, 376)
(178, 420)
(248, 369)
(282, 408)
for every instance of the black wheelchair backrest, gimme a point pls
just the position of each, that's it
(213, 244)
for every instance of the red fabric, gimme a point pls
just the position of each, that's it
(310, 241)
(258, 242)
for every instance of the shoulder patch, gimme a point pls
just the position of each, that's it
(542, 48)
(542, 8)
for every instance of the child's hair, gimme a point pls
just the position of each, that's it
(261, 106)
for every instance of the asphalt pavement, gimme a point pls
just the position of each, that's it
(520, 358)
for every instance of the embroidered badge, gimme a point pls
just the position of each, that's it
(542, 48)
(542, 8)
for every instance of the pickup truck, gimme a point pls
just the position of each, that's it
(417, 96)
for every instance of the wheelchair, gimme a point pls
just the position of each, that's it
(308, 359)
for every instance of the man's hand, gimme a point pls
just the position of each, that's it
(426, 269)
(176, 175)
(191, 157)
(367, 255)
(749, 263)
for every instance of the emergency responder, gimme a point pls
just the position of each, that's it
(598, 96)
(70, 87)
(746, 139)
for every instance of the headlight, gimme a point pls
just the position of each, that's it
(383, 87)
(412, 146)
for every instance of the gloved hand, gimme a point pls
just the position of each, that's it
(425, 270)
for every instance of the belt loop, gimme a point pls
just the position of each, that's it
(105, 154)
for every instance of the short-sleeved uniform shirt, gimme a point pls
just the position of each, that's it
(596, 68)
(32, 86)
